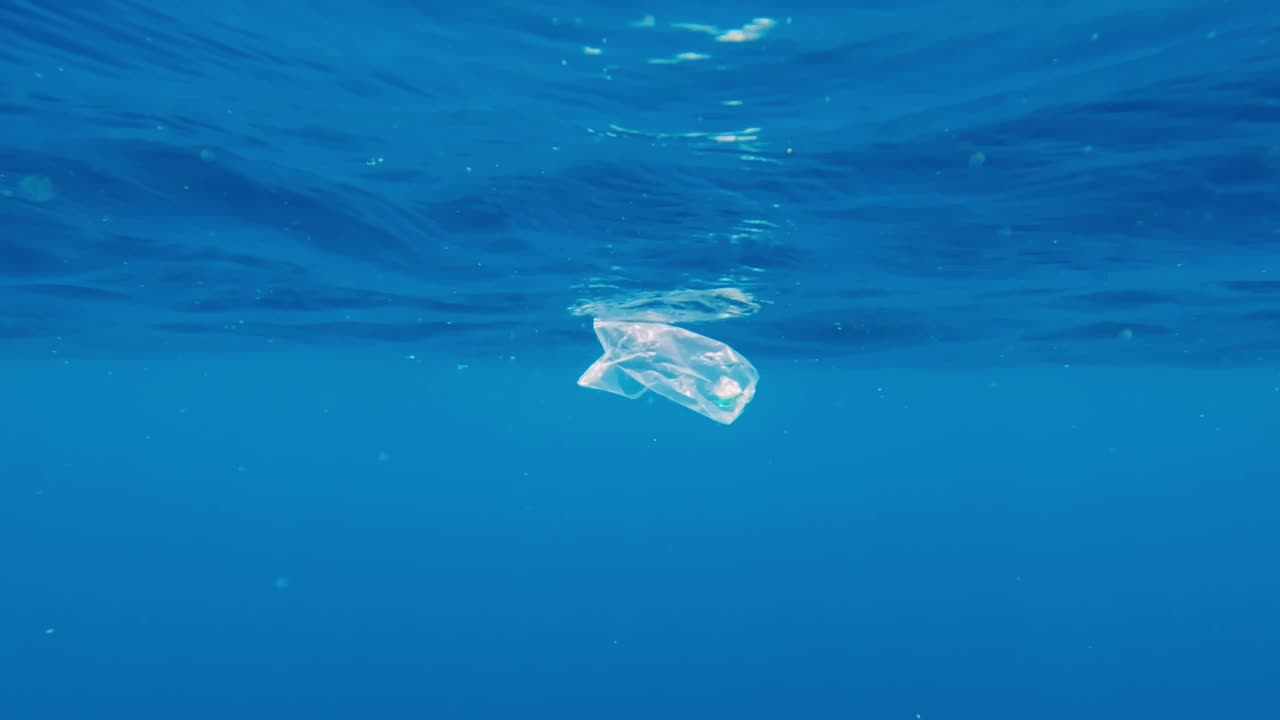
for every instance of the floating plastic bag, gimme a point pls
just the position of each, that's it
(695, 371)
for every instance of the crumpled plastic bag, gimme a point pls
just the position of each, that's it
(695, 371)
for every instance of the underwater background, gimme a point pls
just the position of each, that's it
(295, 296)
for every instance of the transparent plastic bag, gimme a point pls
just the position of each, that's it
(700, 373)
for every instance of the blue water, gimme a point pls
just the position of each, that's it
(294, 298)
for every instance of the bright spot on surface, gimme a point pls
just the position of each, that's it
(208, 155)
(753, 30)
(977, 159)
(591, 50)
(383, 456)
(282, 583)
(696, 27)
(49, 631)
(1126, 334)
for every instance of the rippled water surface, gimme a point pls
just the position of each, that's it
(921, 182)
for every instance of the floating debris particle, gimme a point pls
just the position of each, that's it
(36, 188)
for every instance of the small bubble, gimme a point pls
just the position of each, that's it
(977, 159)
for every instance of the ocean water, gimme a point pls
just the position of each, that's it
(294, 299)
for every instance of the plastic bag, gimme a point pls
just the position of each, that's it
(700, 373)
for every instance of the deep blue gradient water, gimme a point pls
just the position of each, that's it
(294, 296)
